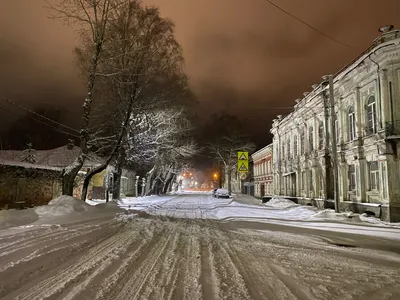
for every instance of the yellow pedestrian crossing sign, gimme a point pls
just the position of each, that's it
(243, 166)
(243, 156)
(243, 162)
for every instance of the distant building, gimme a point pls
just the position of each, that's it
(263, 172)
(367, 119)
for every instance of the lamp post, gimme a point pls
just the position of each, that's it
(143, 186)
(136, 185)
(333, 139)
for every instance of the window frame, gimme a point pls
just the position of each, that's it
(351, 119)
(351, 177)
(374, 176)
(311, 138)
(371, 112)
(321, 135)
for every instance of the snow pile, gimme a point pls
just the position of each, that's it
(62, 206)
(12, 217)
(332, 215)
(281, 203)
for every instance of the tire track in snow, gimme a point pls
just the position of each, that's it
(95, 256)
(129, 276)
(35, 237)
(42, 246)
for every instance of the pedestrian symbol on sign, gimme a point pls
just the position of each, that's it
(243, 157)
(243, 166)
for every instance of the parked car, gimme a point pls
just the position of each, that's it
(221, 193)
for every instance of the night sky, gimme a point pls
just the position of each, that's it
(243, 57)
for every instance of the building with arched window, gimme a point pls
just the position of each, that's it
(367, 127)
(263, 173)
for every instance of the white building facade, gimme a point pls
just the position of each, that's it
(367, 121)
(263, 172)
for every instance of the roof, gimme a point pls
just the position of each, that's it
(259, 154)
(56, 158)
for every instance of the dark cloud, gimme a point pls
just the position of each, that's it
(243, 57)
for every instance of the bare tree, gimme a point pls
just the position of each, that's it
(228, 140)
(140, 57)
(92, 18)
(226, 150)
(161, 140)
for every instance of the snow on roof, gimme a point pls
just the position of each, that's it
(58, 158)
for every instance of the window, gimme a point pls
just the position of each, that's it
(321, 135)
(295, 146)
(302, 143)
(352, 124)
(373, 176)
(283, 151)
(288, 148)
(303, 180)
(311, 181)
(337, 128)
(311, 138)
(352, 177)
(371, 115)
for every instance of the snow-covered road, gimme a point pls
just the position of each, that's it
(190, 247)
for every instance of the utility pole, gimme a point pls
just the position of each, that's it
(333, 142)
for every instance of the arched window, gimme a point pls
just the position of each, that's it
(321, 135)
(352, 123)
(295, 146)
(311, 138)
(371, 115)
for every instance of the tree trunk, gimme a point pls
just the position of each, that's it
(150, 181)
(89, 177)
(117, 183)
(69, 174)
(118, 174)
(171, 183)
(167, 182)
(229, 179)
(117, 148)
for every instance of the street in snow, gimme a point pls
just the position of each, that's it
(193, 246)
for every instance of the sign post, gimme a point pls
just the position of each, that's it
(243, 162)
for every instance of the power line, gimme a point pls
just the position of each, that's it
(42, 122)
(39, 115)
(308, 25)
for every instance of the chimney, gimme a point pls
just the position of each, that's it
(71, 144)
(386, 28)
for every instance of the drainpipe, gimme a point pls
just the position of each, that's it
(379, 81)
(379, 87)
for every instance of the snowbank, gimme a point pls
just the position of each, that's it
(281, 203)
(12, 217)
(62, 206)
